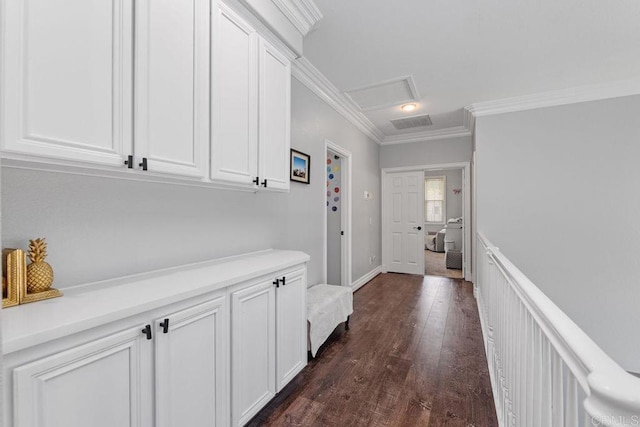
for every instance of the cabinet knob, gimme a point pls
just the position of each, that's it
(283, 280)
(277, 283)
(147, 331)
(129, 162)
(264, 183)
(165, 326)
(143, 165)
(256, 181)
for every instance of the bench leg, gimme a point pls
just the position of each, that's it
(346, 324)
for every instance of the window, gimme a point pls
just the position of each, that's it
(435, 199)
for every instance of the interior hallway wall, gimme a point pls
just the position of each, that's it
(558, 194)
(99, 228)
(448, 150)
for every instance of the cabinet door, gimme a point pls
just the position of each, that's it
(105, 383)
(234, 99)
(274, 117)
(66, 85)
(191, 367)
(171, 81)
(291, 328)
(253, 339)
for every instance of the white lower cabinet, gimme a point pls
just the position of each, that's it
(191, 367)
(269, 341)
(253, 350)
(213, 357)
(291, 327)
(105, 383)
(110, 382)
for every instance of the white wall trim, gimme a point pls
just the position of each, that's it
(262, 28)
(303, 14)
(346, 219)
(307, 74)
(468, 220)
(313, 79)
(428, 135)
(357, 284)
(555, 98)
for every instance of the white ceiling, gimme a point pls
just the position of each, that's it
(461, 52)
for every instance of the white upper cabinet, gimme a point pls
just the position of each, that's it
(234, 99)
(180, 88)
(172, 85)
(251, 106)
(275, 117)
(67, 85)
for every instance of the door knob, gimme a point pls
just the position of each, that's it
(417, 228)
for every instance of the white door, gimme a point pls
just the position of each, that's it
(67, 70)
(274, 118)
(191, 380)
(291, 327)
(404, 208)
(172, 85)
(253, 339)
(105, 383)
(234, 99)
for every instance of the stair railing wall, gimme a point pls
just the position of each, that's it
(545, 371)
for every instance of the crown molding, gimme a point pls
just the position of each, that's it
(555, 98)
(312, 78)
(303, 14)
(428, 135)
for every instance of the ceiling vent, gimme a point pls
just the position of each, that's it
(412, 122)
(385, 94)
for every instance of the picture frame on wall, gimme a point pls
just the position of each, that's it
(300, 167)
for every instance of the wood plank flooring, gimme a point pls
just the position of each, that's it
(413, 356)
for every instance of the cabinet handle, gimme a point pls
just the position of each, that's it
(277, 283)
(147, 331)
(129, 162)
(165, 326)
(256, 181)
(283, 280)
(143, 165)
(264, 183)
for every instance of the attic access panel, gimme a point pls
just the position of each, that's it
(385, 94)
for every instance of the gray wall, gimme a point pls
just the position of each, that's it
(558, 194)
(99, 228)
(449, 150)
(454, 201)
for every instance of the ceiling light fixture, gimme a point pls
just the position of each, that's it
(408, 107)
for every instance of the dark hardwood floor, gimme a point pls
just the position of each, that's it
(413, 356)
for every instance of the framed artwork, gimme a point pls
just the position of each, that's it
(300, 166)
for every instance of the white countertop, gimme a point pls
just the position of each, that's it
(87, 306)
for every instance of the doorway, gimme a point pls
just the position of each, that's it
(405, 233)
(337, 208)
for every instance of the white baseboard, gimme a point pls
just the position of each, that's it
(357, 284)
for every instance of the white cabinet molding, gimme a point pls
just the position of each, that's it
(303, 14)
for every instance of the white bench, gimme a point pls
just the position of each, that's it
(327, 307)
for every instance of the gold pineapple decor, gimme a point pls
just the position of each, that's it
(39, 273)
